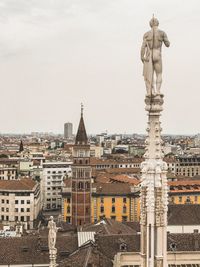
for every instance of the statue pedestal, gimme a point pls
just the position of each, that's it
(52, 257)
(154, 103)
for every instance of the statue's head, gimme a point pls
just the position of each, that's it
(51, 218)
(153, 22)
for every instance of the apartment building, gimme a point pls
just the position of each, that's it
(8, 169)
(19, 202)
(188, 165)
(52, 178)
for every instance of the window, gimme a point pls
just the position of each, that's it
(22, 218)
(87, 185)
(180, 199)
(2, 209)
(28, 218)
(123, 247)
(7, 201)
(2, 201)
(124, 218)
(124, 209)
(28, 209)
(195, 198)
(68, 200)
(28, 202)
(7, 209)
(7, 218)
(113, 200)
(22, 201)
(102, 209)
(16, 209)
(22, 209)
(68, 209)
(16, 201)
(124, 200)
(16, 218)
(113, 209)
(80, 185)
(68, 220)
(188, 199)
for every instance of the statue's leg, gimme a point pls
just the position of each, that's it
(148, 87)
(158, 70)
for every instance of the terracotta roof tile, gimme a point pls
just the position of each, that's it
(23, 184)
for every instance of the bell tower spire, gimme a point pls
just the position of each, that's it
(81, 136)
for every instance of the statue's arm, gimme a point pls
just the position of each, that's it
(165, 40)
(144, 44)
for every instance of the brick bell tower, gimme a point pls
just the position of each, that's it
(81, 177)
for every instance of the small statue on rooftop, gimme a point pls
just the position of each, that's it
(52, 233)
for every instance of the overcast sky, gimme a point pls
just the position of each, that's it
(55, 54)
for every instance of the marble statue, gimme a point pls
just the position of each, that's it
(151, 56)
(52, 233)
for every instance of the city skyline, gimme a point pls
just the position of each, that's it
(55, 55)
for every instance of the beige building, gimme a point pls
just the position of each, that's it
(96, 151)
(19, 202)
(53, 175)
(188, 165)
(8, 169)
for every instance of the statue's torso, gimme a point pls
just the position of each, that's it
(154, 38)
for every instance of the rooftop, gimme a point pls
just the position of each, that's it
(26, 184)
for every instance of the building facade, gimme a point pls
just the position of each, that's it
(81, 178)
(68, 130)
(117, 201)
(188, 165)
(8, 169)
(53, 175)
(19, 202)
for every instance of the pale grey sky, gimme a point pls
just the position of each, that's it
(55, 54)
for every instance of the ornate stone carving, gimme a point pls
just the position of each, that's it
(154, 197)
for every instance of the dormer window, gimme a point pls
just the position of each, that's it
(123, 246)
